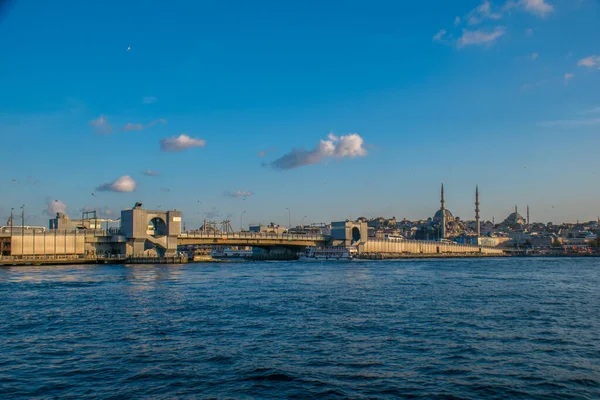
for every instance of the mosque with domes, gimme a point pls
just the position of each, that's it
(448, 226)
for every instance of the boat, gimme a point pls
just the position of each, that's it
(231, 253)
(332, 253)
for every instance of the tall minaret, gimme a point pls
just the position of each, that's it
(477, 210)
(443, 230)
(527, 214)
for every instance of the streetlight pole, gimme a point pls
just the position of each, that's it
(22, 230)
(241, 224)
(289, 218)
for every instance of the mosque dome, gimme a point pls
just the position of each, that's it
(437, 218)
(514, 218)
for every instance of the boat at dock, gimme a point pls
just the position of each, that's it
(332, 253)
(231, 253)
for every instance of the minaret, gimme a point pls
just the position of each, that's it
(443, 227)
(477, 210)
(516, 210)
(527, 214)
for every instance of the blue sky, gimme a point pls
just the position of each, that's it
(500, 94)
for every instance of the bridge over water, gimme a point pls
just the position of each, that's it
(251, 239)
(142, 230)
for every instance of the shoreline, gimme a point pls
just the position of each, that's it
(185, 260)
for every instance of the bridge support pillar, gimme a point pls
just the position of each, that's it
(150, 228)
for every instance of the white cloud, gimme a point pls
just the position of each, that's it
(55, 206)
(573, 123)
(139, 127)
(480, 36)
(348, 146)
(481, 13)
(166, 190)
(122, 184)
(534, 56)
(568, 77)
(590, 62)
(486, 11)
(149, 172)
(133, 127)
(157, 121)
(181, 142)
(540, 8)
(239, 193)
(149, 99)
(101, 125)
(439, 36)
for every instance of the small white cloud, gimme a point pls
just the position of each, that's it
(540, 8)
(239, 193)
(481, 13)
(123, 184)
(101, 125)
(480, 37)
(180, 143)
(133, 127)
(55, 206)
(166, 190)
(534, 56)
(568, 77)
(348, 146)
(590, 62)
(439, 36)
(529, 32)
(139, 127)
(457, 21)
(149, 99)
(149, 172)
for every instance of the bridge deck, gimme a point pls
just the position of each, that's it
(251, 239)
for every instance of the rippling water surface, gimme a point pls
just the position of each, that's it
(488, 328)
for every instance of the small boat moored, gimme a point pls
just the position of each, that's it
(332, 253)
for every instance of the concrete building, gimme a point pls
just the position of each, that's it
(147, 229)
(62, 222)
(349, 233)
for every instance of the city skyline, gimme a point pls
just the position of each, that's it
(343, 113)
(215, 215)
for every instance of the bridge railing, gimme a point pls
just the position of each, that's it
(251, 235)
